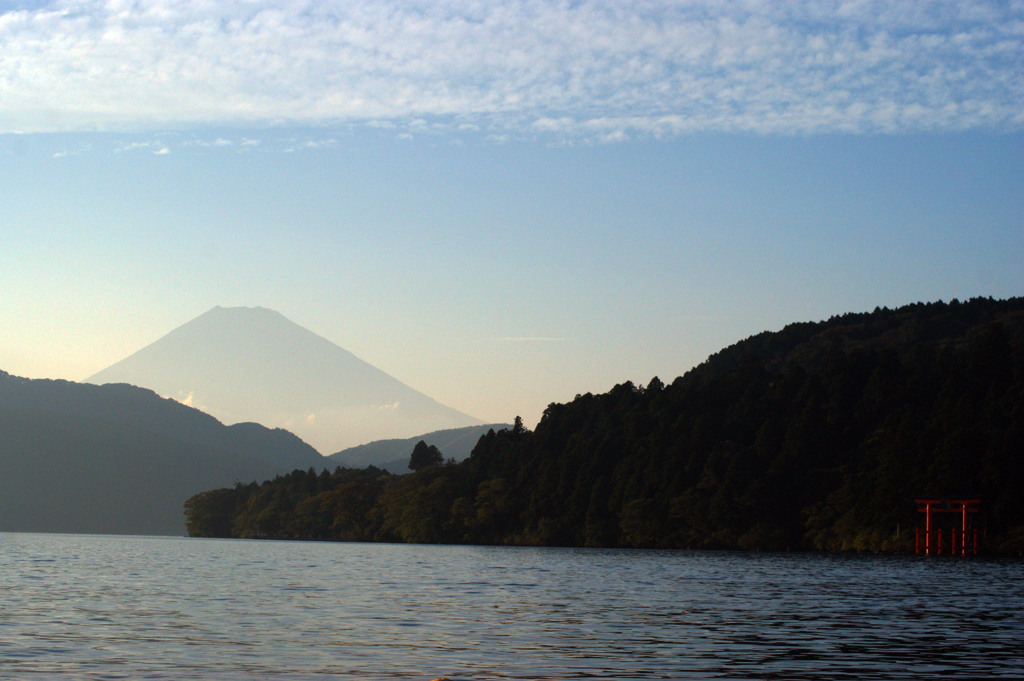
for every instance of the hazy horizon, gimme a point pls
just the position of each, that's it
(505, 204)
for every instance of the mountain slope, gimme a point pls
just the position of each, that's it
(120, 459)
(393, 455)
(253, 364)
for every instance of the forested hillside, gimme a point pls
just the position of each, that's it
(818, 436)
(120, 459)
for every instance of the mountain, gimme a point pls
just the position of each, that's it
(121, 459)
(818, 437)
(253, 364)
(393, 455)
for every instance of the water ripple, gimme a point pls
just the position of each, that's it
(88, 607)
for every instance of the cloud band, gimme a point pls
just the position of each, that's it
(595, 69)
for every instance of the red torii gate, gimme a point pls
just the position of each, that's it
(963, 540)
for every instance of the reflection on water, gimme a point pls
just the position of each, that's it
(74, 607)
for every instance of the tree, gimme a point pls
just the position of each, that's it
(423, 456)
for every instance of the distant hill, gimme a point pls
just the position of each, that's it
(252, 364)
(393, 455)
(818, 436)
(121, 459)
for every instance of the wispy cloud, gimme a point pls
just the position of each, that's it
(592, 69)
(127, 147)
(64, 153)
(306, 145)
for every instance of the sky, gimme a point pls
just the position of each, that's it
(501, 203)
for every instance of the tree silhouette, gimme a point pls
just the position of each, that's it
(423, 456)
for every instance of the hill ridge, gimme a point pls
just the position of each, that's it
(121, 459)
(393, 454)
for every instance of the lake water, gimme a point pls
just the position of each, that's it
(103, 607)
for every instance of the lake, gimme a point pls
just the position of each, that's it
(113, 607)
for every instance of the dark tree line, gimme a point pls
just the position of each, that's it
(815, 437)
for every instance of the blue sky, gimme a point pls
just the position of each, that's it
(502, 204)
